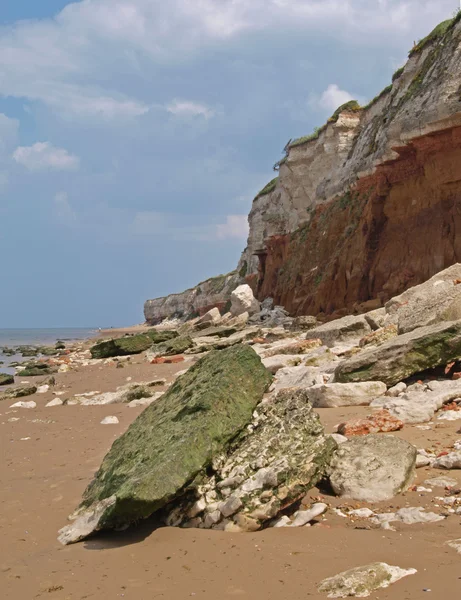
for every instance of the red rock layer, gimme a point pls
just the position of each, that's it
(395, 229)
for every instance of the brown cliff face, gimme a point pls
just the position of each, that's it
(392, 230)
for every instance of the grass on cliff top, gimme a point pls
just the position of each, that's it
(352, 106)
(267, 189)
(436, 34)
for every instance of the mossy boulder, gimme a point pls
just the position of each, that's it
(404, 355)
(18, 392)
(131, 344)
(6, 379)
(173, 441)
(170, 348)
(36, 369)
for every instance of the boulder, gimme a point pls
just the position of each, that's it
(172, 347)
(293, 347)
(304, 323)
(373, 468)
(380, 422)
(332, 395)
(341, 330)
(6, 379)
(124, 394)
(449, 461)
(297, 377)
(174, 440)
(131, 344)
(404, 355)
(18, 392)
(212, 317)
(280, 361)
(362, 581)
(435, 300)
(243, 300)
(36, 369)
(283, 454)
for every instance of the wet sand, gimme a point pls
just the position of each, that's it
(44, 476)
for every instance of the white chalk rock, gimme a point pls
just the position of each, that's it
(22, 404)
(333, 395)
(303, 517)
(54, 402)
(243, 300)
(362, 581)
(43, 389)
(450, 461)
(110, 421)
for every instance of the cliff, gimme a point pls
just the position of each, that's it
(370, 203)
(214, 292)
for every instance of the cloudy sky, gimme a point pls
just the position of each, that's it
(135, 133)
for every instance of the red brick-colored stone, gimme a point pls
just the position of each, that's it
(381, 422)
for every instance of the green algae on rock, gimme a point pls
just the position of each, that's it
(405, 355)
(175, 439)
(6, 379)
(18, 392)
(132, 344)
(178, 345)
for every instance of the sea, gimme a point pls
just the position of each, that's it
(12, 338)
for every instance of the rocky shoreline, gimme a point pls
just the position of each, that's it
(351, 423)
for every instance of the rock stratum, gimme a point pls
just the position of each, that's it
(362, 209)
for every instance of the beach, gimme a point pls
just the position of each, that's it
(50, 454)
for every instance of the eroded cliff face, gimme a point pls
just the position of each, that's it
(214, 292)
(364, 208)
(373, 204)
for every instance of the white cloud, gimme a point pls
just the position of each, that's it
(75, 62)
(186, 108)
(43, 155)
(333, 97)
(236, 226)
(63, 210)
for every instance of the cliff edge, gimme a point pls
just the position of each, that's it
(369, 204)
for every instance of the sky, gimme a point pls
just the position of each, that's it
(134, 134)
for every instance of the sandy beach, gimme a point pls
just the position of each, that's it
(50, 455)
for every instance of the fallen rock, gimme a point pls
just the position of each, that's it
(303, 517)
(243, 301)
(297, 377)
(54, 402)
(297, 347)
(373, 468)
(396, 390)
(212, 317)
(173, 440)
(23, 404)
(362, 581)
(173, 347)
(145, 401)
(407, 516)
(304, 323)
(283, 454)
(110, 421)
(375, 338)
(332, 395)
(123, 395)
(442, 482)
(131, 344)
(456, 545)
(18, 392)
(380, 422)
(6, 379)
(274, 363)
(411, 408)
(43, 389)
(405, 355)
(341, 330)
(435, 300)
(449, 461)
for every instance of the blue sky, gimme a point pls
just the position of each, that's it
(135, 133)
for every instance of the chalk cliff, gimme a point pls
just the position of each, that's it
(369, 204)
